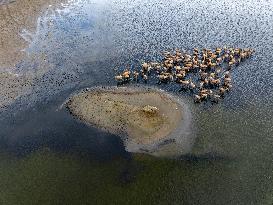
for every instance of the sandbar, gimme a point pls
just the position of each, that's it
(145, 118)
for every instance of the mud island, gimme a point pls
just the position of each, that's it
(144, 118)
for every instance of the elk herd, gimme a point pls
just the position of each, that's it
(205, 73)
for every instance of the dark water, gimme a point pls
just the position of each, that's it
(47, 157)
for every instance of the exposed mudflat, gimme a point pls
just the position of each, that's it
(145, 118)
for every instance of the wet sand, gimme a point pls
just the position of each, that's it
(144, 118)
(15, 17)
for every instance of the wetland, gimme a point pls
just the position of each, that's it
(54, 49)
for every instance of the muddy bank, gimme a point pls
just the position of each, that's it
(146, 119)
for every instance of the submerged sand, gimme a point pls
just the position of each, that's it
(144, 118)
(12, 87)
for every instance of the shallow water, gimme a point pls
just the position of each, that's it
(53, 158)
